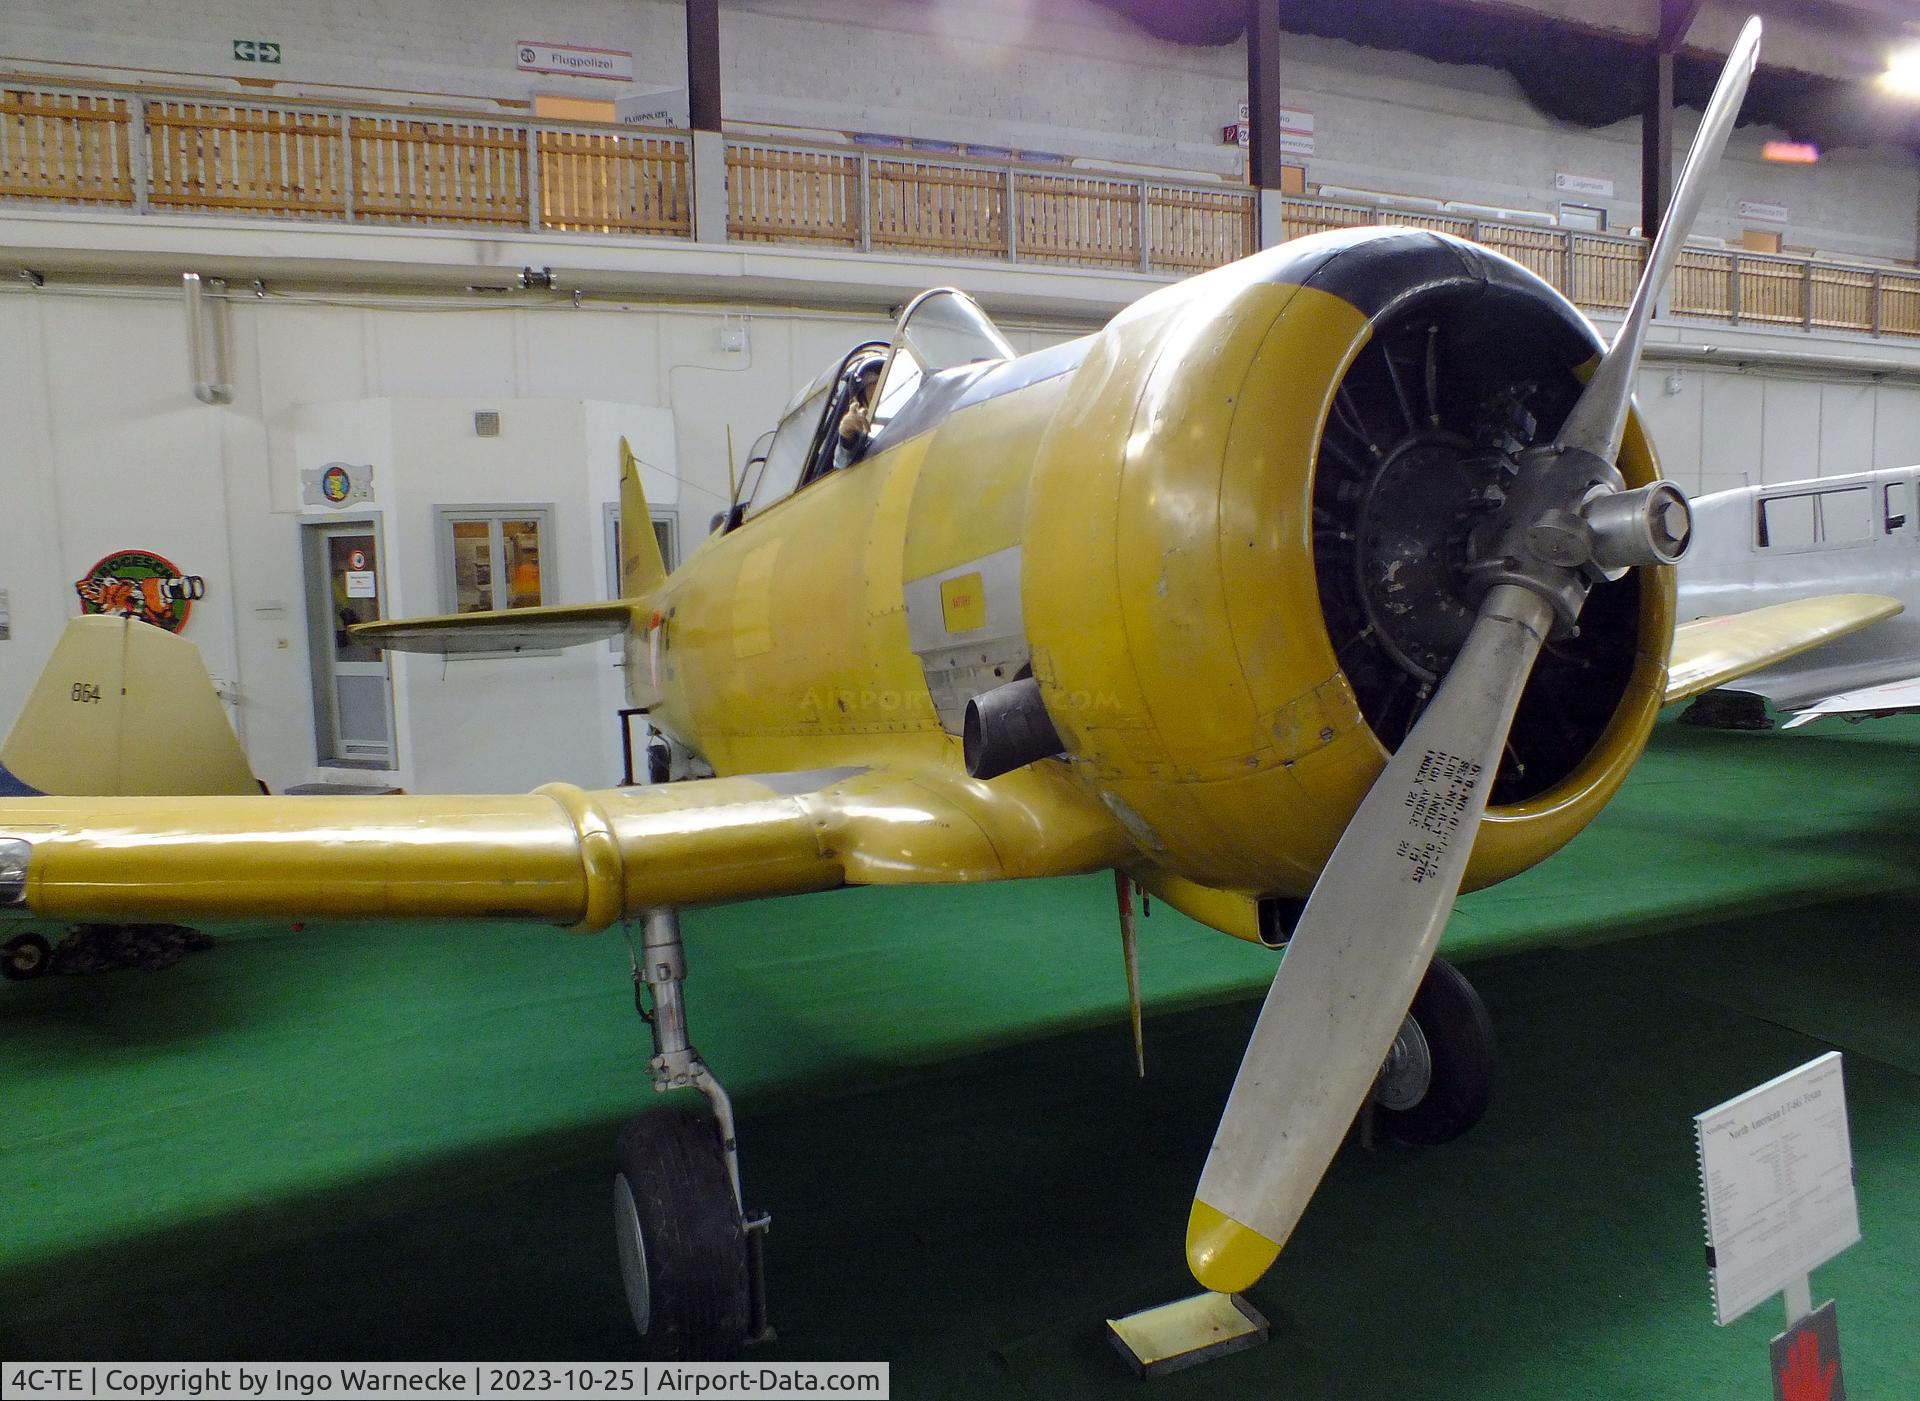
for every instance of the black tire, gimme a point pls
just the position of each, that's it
(683, 1248)
(1459, 1044)
(25, 956)
(659, 761)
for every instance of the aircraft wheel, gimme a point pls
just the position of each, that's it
(25, 956)
(1438, 1079)
(683, 1248)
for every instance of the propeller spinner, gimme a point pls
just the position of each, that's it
(1377, 912)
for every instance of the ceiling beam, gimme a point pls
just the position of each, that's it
(1676, 18)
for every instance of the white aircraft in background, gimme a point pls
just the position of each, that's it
(1859, 533)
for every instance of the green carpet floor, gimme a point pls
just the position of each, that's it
(391, 1141)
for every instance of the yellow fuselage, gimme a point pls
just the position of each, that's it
(1154, 483)
(1131, 518)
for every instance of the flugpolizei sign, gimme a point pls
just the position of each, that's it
(336, 484)
(532, 56)
(140, 584)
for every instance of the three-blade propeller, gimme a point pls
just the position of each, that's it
(1370, 929)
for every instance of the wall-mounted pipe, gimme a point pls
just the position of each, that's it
(206, 340)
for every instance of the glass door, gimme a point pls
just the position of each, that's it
(353, 696)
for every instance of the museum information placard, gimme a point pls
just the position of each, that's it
(1776, 1177)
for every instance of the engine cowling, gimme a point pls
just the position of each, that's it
(1258, 504)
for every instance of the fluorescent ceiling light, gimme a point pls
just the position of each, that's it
(1790, 152)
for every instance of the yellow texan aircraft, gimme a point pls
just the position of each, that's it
(1306, 593)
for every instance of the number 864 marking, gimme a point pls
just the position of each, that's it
(85, 693)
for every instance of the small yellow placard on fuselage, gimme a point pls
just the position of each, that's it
(963, 603)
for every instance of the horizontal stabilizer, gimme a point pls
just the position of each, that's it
(504, 630)
(1869, 700)
(1710, 652)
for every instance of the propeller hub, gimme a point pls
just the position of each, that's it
(1648, 525)
(1569, 522)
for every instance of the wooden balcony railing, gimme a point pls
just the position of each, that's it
(196, 154)
(172, 152)
(1598, 272)
(70, 147)
(862, 199)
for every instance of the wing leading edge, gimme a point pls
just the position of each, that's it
(559, 855)
(1710, 652)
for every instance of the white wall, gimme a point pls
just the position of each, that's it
(1068, 76)
(457, 48)
(461, 720)
(107, 449)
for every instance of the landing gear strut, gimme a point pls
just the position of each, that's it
(691, 1257)
(1437, 1079)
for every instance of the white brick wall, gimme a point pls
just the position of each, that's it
(458, 47)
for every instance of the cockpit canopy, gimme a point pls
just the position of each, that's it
(831, 422)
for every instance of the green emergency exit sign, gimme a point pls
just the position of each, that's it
(255, 51)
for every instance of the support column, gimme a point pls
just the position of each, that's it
(1656, 113)
(1656, 143)
(1264, 156)
(703, 116)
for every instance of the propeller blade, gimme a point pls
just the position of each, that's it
(1599, 418)
(1377, 912)
(1358, 954)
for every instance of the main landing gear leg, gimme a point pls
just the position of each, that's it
(692, 1258)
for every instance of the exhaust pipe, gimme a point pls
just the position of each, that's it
(1008, 728)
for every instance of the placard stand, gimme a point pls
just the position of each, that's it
(1799, 1297)
(1776, 1187)
(1187, 1332)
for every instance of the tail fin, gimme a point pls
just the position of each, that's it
(123, 709)
(641, 568)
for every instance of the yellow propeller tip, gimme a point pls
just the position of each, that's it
(1225, 1255)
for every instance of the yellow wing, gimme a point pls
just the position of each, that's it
(1713, 651)
(502, 630)
(557, 856)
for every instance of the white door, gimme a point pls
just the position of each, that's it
(353, 693)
